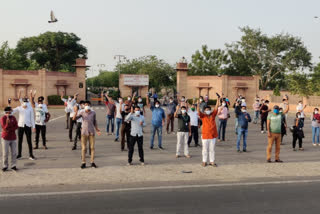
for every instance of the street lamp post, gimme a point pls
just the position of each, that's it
(120, 58)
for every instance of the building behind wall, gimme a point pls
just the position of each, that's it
(134, 83)
(229, 86)
(44, 82)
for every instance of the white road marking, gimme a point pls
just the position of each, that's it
(2, 196)
(56, 118)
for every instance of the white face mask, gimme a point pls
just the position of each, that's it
(182, 100)
(69, 99)
(316, 112)
(137, 113)
(299, 116)
(183, 111)
(129, 98)
(300, 104)
(24, 104)
(139, 100)
(120, 100)
(171, 101)
(243, 100)
(87, 108)
(267, 104)
(200, 100)
(243, 110)
(223, 104)
(208, 112)
(157, 105)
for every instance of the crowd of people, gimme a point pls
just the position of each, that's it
(125, 119)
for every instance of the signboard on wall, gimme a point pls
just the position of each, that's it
(135, 80)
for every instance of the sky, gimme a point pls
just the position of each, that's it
(168, 29)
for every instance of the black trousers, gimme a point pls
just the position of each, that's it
(263, 122)
(43, 130)
(67, 120)
(125, 132)
(133, 140)
(195, 135)
(71, 123)
(24, 130)
(294, 141)
(78, 133)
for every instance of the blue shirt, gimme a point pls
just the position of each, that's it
(171, 108)
(157, 116)
(243, 121)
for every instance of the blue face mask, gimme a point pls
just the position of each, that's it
(276, 111)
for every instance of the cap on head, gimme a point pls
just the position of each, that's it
(7, 109)
(25, 100)
(276, 107)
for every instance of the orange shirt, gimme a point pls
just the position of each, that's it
(209, 128)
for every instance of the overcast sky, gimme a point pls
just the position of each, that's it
(169, 29)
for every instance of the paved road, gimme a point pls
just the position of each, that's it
(255, 199)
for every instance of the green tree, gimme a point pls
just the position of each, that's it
(271, 57)
(104, 79)
(276, 91)
(10, 59)
(299, 83)
(52, 50)
(161, 74)
(315, 80)
(208, 62)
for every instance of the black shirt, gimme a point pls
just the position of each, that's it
(183, 123)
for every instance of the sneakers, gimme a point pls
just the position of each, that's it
(45, 147)
(204, 164)
(177, 156)
(116, 140)
(262, 132)
(279, 161)
(74, 148)
(14, 168)
(19, 157)
(151, 147)
(93, 165)
(269, 161)
(161, 148)
(83, 166)
(32, 158)
(36, 147)
(244, 150)
(213, 164)
(142, 163)
(314, 144)
(301, 149)
(4, 169)
(129, 164)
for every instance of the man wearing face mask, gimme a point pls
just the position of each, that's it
(42, 117)
(141, 105)
(26, 126)
(9, 126)
(223, 118)
(89, 127)
(137, 124)
(300, 108)
(183, 102)
(71, 102)
(274, 133)
(184, 131)
(78, 108)
(125, 127)
(129, 101)
(195, 125)
(171, 109)
(244, 120)
(158, 120)
(119, 109)
(264, 111)
(285, 106)
(209, 133)
(202, 103)
(256, 108)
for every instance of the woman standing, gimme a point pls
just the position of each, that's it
(315, 118)
(298, 132)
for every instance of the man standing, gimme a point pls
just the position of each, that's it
(78, 108)
(111, 109)
(285, 106)
(171, 109)
(256, 109)
(71, 102)
(209, 133)
(26, 126)
(195, 125)
(184, 131)
(137, 123)
(300, 108)
(244, 118)
(223, 113)
(89, 126)
(158, 120)
(274, 133)
(42, 117)
(9, 126)
(264, 110)
(125, 127)
(202, 104)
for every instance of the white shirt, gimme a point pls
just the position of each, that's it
(118, 113)
(44, 107)
(300, 108)
(40, 116)
(193, 117)
(26, 116)
(80, 119)
(136, 128)
(70, 105)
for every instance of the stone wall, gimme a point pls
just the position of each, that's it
(125, 90)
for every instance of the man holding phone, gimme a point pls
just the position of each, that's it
(9, 126)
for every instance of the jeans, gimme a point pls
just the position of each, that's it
(5, 152)
(118, 126)
(256, 116)
(133, 140)
(110, 118)
(263, 122)
(222, 126)
(244, 133)
(41, 129)
(195, 134)
(24, 130)
(155, 129)
(315, 134)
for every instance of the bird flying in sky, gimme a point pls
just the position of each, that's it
(53, 19)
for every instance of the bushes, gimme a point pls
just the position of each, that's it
(55, 100)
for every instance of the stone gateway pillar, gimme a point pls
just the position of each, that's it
(182, 78)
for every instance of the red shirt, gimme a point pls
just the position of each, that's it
(209, 128)
(9, 130)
